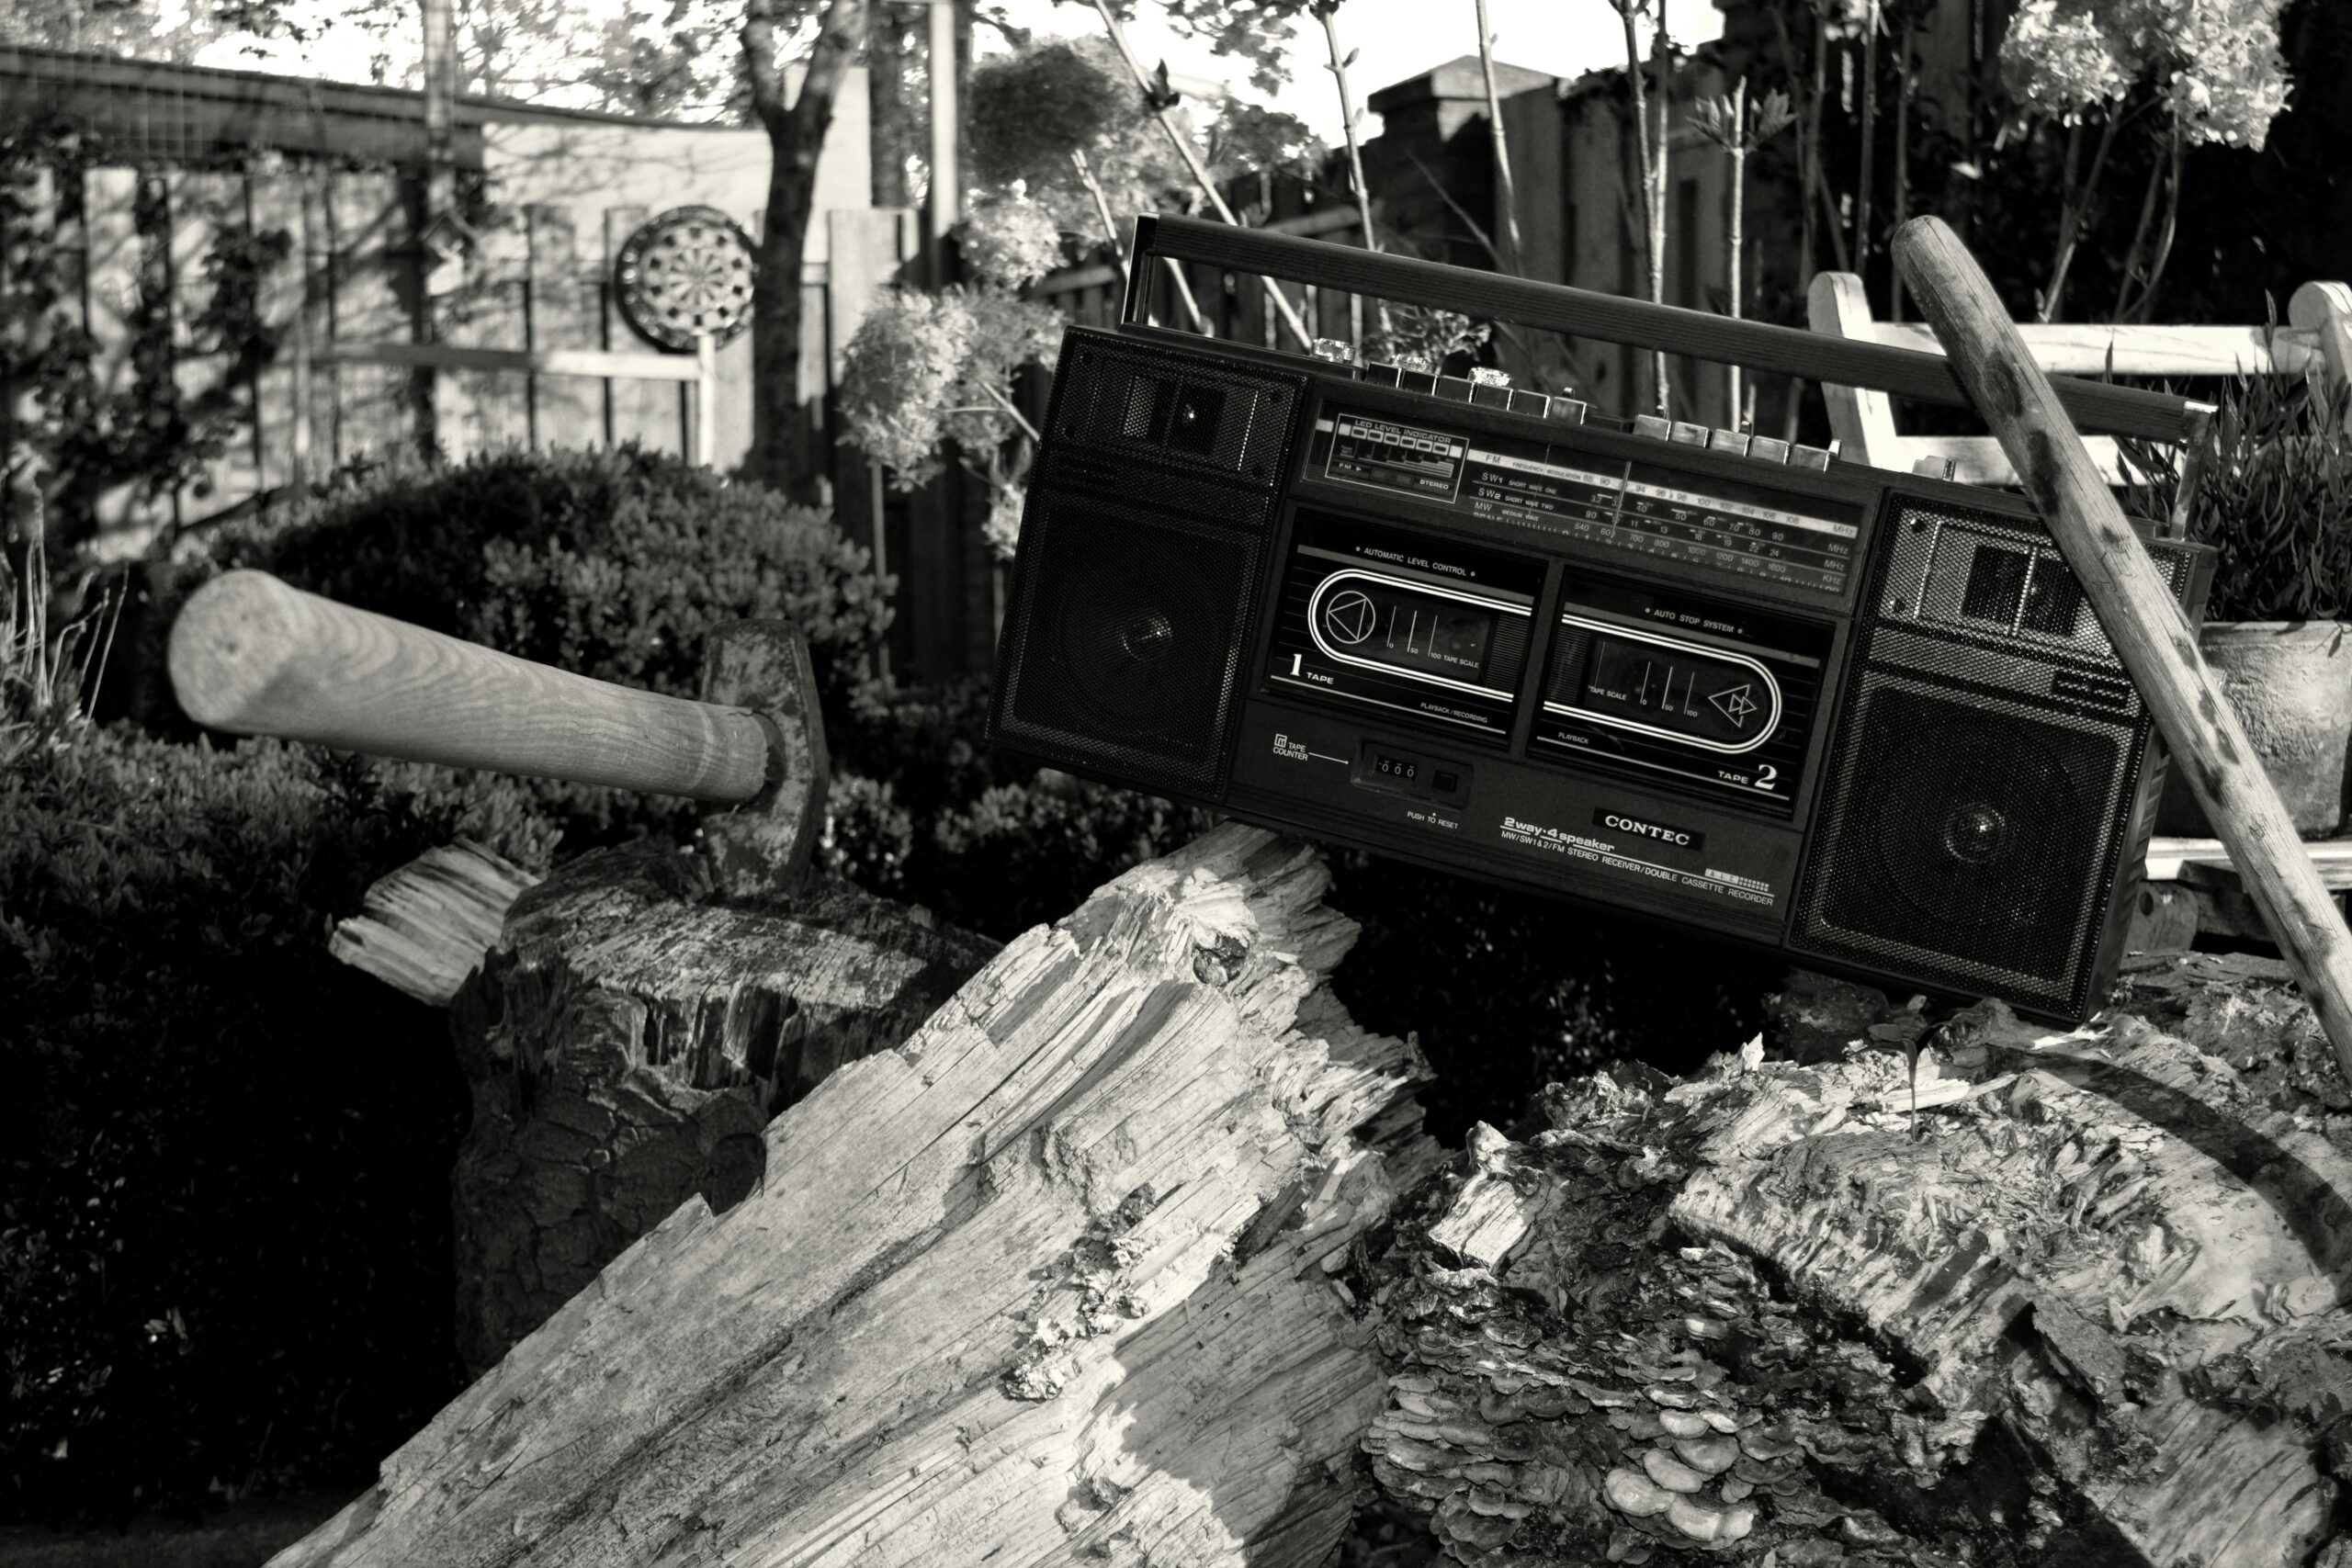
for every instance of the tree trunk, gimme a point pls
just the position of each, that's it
(625, 1041)
(894, 126)
(2084, 1306)
(784, 440)
(1063, 1277)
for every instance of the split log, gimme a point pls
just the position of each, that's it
(2090, 1309)
(1062, 1277)
(626, 1042)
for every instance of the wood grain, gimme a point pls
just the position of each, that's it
(1060, 1280)
(2124, 410)
(2137, 610)
(252, 654)
(425, 927)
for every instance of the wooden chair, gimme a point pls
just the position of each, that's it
(2316, 341)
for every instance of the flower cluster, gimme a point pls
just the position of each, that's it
(2216, 63)
(1010, 240)
(927, 369)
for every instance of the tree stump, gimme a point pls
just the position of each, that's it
(2090, 1308)
(1060, 1278)
(626, 1042)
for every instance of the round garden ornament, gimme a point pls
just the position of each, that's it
(686, 273)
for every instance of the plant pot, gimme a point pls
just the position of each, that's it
(2290, 682)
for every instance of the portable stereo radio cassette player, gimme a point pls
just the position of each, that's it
(1865, 719)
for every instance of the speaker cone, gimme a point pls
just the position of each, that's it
(1141, 639)
(1972, 843)
(1963, 839)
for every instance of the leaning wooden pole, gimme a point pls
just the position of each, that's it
(2149, 631)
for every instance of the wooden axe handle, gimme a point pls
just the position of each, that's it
(252, 654)
(2139, 614)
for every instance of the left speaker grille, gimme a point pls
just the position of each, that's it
(1123, 640)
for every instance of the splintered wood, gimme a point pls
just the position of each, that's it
(1060, 1279)
(2088, 1308)
(626, 1042)
(425, 927)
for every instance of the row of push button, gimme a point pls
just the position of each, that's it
(1489, 388)
(1767, 448)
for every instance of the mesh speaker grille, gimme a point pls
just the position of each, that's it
(1172, 407)
(1964, 841)
(1124, 639)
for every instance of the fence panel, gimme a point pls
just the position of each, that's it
(276, 204)
(207, 218)
(28, 240)
(484, 410)
(376, 292)
(564, 308)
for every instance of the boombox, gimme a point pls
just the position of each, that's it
(1862, 718)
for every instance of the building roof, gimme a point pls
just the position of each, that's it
(1458, 78)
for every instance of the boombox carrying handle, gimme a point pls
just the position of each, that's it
(1581, 313)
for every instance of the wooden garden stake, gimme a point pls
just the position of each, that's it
(2153, 638)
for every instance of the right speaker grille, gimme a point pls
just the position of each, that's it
(1983, 811)
(1965, 841)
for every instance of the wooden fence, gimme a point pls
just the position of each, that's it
(133, 245)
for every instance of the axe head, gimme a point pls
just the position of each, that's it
(761, 848)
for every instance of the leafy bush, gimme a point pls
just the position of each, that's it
(615, 564)
(224, 1231)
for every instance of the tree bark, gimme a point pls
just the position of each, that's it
(893, 125)
(625, 1041)
(1064, 1277)
(2086, 1305)
(783, 449)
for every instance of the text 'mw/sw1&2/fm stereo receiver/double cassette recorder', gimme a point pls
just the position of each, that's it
(1865, 719)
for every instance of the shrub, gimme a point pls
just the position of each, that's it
(224, 1232)
(2275, 500)
(615, 564)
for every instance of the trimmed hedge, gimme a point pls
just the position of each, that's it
(224, 1221)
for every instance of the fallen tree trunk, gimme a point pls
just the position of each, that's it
(2089, 1309)
(1057, 1279)
(626, 1042)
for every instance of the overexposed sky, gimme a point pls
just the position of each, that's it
(1394, 40)
(1397, 39)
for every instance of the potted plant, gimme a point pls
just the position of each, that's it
(2275, 500)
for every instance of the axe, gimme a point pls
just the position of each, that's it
(254, 656)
